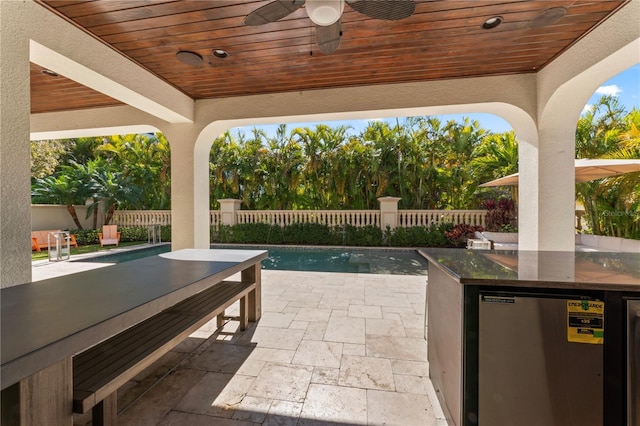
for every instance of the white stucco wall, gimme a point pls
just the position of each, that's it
(15, 174)
(50, 216)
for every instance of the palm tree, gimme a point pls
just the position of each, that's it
(145, 160)
(114, 188)
(463, 139)
(612, 205)
(320, 146)
(84, 175)
(495, 157)
(598, 128)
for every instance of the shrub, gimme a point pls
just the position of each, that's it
(362, 236)
(420, 236)
(459, 234)
(85, 236)
(127, 234)
(308, 233)
(165, 233)
(131, 233)
(501, 215)
(254, 233)
(221, 234)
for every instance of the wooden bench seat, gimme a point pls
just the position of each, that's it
(99, 371)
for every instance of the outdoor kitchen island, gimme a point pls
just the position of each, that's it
(534, 338)
(47, 325)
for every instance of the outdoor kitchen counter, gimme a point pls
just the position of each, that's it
(536, 269)
(458, 277)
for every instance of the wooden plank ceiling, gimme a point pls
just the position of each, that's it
(443, 39)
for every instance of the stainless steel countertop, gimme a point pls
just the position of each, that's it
(46, 321)
(584, 270)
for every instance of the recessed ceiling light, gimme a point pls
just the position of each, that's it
(189, 58)
(492, 22)
(50, 73)
(219, 53)
(548, 17)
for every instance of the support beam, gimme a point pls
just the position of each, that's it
(61, 47)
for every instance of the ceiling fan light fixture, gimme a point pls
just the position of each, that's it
(492, 22)
(220, 53)
(324, 12)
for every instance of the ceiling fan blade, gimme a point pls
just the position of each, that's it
(389, 10)
(328, 37)
(272, 12)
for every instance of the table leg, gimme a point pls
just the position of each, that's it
(244, 312)
(45, 398)
(253, 274)
(105, 413)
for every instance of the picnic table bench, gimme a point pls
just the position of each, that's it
(69, 343)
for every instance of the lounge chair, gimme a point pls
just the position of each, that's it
(109, 235)
(40, 239)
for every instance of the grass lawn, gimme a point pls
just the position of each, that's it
(89, 248)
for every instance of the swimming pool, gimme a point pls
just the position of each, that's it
(364, 261)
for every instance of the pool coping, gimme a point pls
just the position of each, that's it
(321, 247)
(101, 253)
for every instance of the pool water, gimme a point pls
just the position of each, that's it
(367, 261)
(125, 256)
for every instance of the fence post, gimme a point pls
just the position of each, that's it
(228, 209)
(388, 212)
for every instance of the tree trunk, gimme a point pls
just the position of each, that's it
(95, 218)
(112, 208)
(72, 211)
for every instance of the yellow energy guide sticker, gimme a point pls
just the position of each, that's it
(585, 321)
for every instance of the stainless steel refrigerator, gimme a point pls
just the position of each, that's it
(633, 362)
(525, 344)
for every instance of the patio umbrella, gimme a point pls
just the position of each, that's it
(586, 169)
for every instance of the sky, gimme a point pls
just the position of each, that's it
(625, 86)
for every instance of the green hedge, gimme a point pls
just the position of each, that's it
(442, 235)
(127, 233)
(420, 236)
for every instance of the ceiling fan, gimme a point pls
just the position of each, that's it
(325, 14)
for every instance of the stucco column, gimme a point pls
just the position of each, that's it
(184, 225)
(228, 209)
(546, 193)
(388, 212)
(15, 171)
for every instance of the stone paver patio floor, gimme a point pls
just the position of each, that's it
(330, 349)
